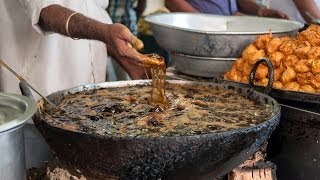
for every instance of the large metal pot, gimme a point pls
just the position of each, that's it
(15, 110)
(214, 35)
(157, 157)
(208, 67)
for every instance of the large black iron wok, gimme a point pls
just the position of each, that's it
(188, 157)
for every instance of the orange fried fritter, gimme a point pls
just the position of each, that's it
(307, 88)
(262, 82)
(290, 61)
(262, 40)
(311, 34)
(273, 45)
(314, 53)
(288, 46)
(277, 85)
(276, 58)
(288, 75)
(277, 73)
(246, 68)
(302, 66)
(292, 86)
(239, 64)
(305, 78)
(315, 66)
(262, 72)
(302, 50)
(315, 82)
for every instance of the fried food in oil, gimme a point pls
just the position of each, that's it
(273, 45)
(288, 75)
(277, 85)
(292, 86)
(307, 88)
(295, 60)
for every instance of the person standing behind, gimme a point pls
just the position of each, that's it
(223, 7)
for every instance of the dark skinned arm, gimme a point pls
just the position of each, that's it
(141, 6)
(251, 7)
(116, 36)
(180, 6)
(307, 6)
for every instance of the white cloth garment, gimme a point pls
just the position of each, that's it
(49, 61)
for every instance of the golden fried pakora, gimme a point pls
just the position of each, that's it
(277, 73)
(292, 86)
(262, 40)
(302, 50)
(290, 61)
(311, 34)
(314, 53)
(302, 66)
(273, 45)
(288, 75)
(262, 82)
(239, 64)
(305, 78)
(307, 88)
(261, 72)
(277, 85)
(315, 66)
(288, 46)
(276, 58)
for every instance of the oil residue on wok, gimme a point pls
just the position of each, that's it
(125, 111)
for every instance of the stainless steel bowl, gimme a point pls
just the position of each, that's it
(15, 110)
(214, 35)
(201, 66)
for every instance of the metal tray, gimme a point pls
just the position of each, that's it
(276, 93)
(214, 35)
(201, 66)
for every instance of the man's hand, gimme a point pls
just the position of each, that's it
(265, 12)
(122, 45)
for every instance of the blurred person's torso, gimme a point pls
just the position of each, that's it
(220, 7)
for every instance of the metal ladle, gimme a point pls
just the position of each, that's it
(23, 80)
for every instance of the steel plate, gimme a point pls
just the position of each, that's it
(201, 66)
(214, 35)
(15, 110)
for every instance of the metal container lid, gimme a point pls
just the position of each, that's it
(15, 110)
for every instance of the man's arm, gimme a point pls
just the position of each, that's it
(305, 6)
(251, 7)
(117, 37)
(180, 6)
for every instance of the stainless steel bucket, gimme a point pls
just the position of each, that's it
(15, 110)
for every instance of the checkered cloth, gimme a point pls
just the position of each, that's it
(122, 11)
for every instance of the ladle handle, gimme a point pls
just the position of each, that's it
(25, 90)
(270, 74)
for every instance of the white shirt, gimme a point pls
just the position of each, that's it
(49, 62)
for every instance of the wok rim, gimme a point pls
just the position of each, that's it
(274, 117)
(298, 25)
